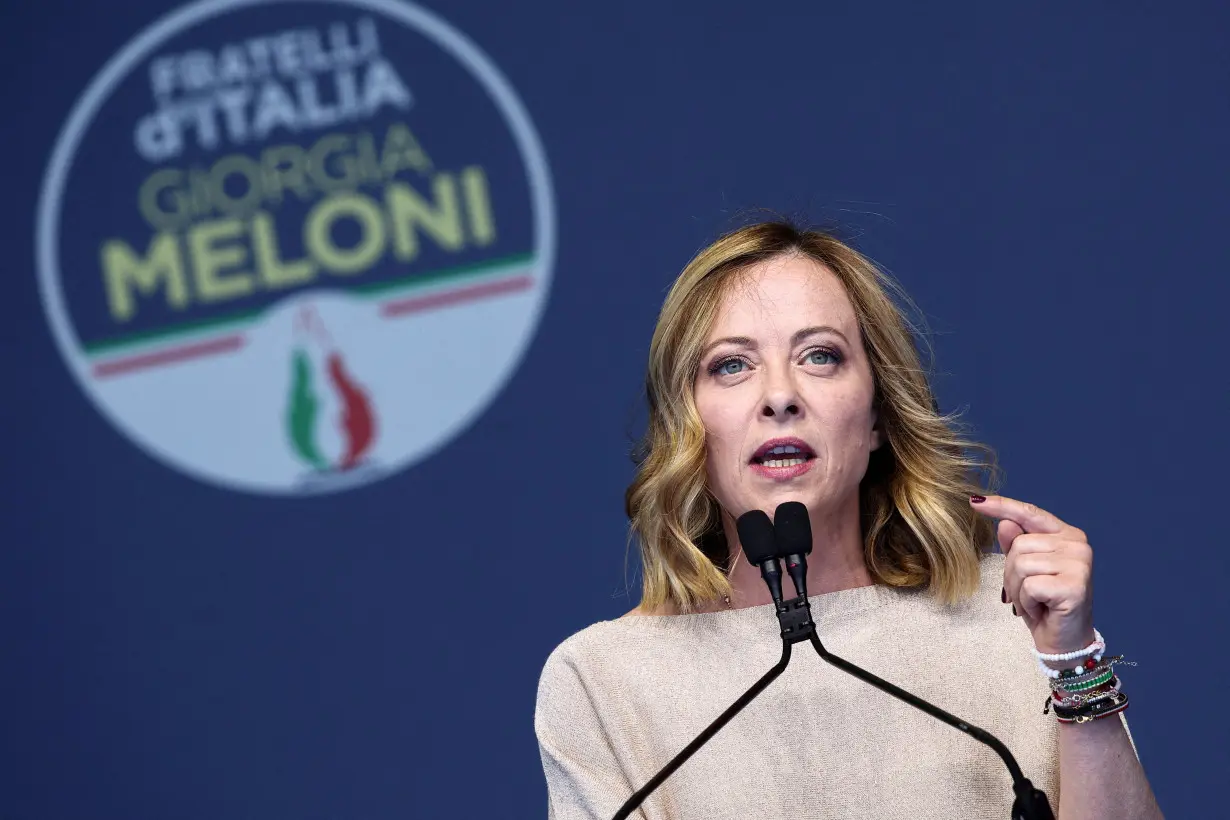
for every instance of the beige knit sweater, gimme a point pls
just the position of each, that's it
(617, 700)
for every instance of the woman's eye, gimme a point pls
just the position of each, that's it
(729, 367)
(822, 357)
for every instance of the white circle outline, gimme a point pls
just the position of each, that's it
(118, 67)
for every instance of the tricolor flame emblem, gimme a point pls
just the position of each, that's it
(303, 412)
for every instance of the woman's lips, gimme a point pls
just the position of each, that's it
(782, 473)
(783, 458)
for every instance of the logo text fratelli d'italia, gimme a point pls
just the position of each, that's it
(295, 255)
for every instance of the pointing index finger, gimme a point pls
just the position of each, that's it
(1030, 517)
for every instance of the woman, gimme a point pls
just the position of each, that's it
(781, 370)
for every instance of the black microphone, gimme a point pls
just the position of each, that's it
(760, 547)
(793, 531)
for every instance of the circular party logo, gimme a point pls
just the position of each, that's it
(295, 246)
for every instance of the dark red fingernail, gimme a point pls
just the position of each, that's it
(1003, 595)
(1014, 609)
(977, 499)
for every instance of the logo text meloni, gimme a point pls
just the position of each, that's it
(216, 237)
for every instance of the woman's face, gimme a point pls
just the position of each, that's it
(785, 392)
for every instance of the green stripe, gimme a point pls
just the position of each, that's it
(243, 317)
(415, 279)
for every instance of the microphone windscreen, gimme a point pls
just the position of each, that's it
(793, 528)
(756, 536)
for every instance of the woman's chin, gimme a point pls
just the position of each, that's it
(775, 496)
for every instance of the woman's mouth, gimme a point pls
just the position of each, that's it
(783, 459)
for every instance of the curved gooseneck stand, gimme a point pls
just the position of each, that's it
(792, 542)
(796, 625)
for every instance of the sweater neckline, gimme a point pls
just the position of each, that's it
(825, 606)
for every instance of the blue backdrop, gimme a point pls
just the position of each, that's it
(1049, 183)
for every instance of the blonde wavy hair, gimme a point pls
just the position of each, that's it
(918, 527)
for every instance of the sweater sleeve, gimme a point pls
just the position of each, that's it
(584, 778)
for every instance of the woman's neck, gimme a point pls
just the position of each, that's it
(836, 561)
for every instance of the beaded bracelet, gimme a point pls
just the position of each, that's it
(1080, 669)
(1105, 676)
(1083, 669)
(1084, 676)
(1078, 682)
(1098, 646)
(1095, 649)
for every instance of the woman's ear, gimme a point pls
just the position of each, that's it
(877, 430)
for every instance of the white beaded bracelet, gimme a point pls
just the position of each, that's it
(1096, 649)
(1055, 673)
(1099, 643)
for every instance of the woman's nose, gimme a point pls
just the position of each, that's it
(780, 399)
(780, 409)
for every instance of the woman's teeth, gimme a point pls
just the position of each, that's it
(783, 462)
(786, 455)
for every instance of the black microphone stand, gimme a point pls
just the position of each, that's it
(712, 729)
(794, 618)
(1030, 803)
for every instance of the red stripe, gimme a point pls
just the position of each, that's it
(451, 297)
(172, 355)
(229, 344)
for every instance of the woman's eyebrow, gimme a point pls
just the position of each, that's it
(815, 330)
(741, 341)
